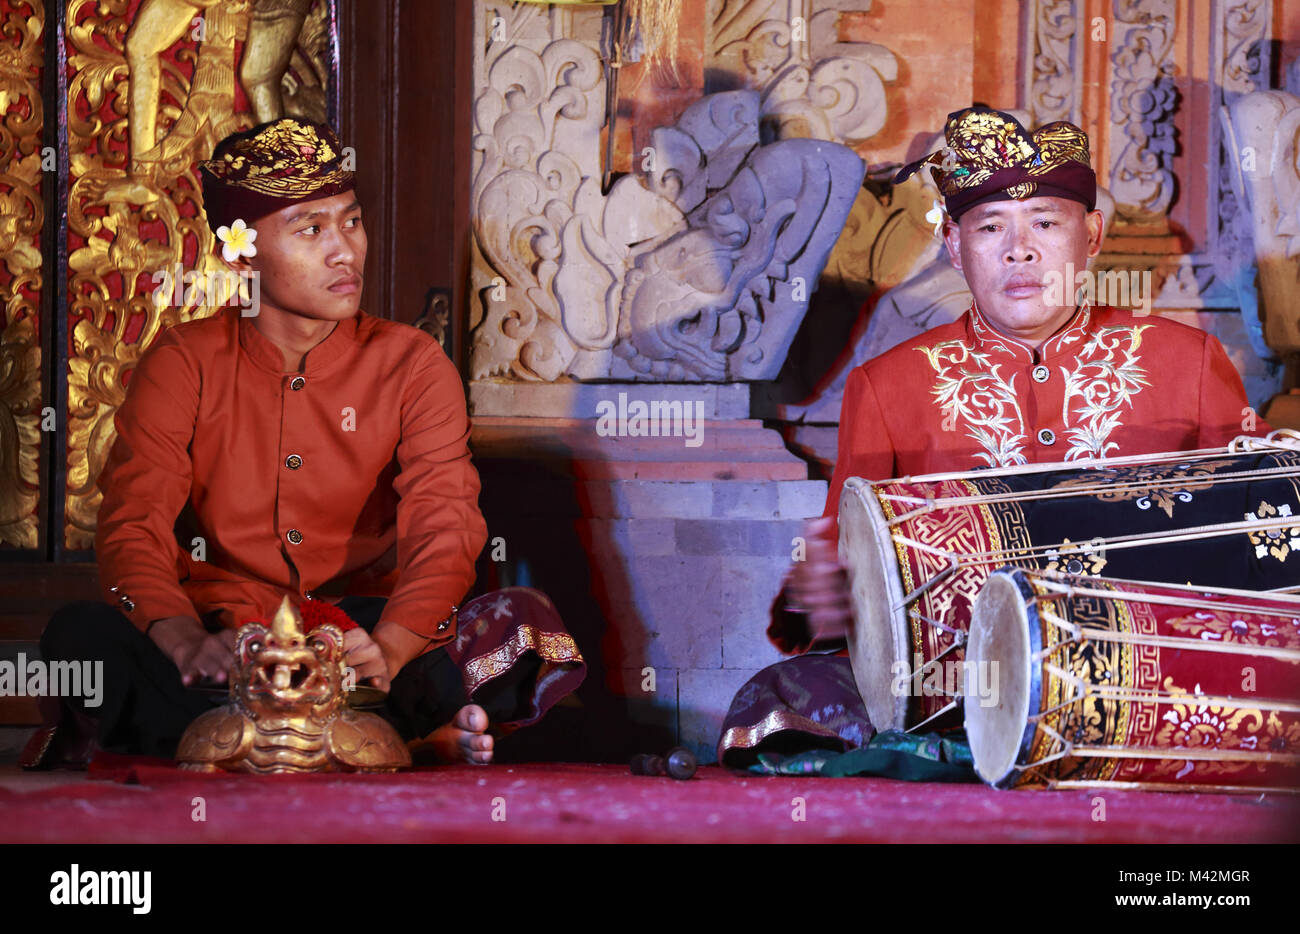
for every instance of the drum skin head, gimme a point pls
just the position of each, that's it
(1001, 634)
(878, 634)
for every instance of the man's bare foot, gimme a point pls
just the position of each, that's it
(464, 739)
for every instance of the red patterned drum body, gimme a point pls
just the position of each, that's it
(1094, 683)
(919, 549)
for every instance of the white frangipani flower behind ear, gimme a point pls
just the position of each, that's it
(236, 240)
(935, 216)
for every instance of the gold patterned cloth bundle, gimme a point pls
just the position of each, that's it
(270, 167)
(990, 156)
(919, 549)
(1121, 684)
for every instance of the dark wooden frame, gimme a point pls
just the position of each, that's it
(406, 105)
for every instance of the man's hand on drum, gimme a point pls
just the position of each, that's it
(819, 587)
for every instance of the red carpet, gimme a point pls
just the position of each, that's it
(572, 803)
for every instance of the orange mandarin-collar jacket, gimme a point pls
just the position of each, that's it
(352, 476)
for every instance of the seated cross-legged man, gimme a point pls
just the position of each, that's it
(1027, 375)
(312, 451)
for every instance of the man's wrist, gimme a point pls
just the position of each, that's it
(398, 644)
(171, 629)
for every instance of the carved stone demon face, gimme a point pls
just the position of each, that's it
(281, 672)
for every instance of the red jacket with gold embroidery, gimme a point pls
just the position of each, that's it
(963, 396)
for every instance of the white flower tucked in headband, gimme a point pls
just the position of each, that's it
(933, 216)
(236, 240)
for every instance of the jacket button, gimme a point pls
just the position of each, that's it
(293, 462)
(1041, 373)
(297, 383)
(294, 536)
(1047, 436)
(123, 599)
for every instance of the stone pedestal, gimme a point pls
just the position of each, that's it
(663, 559)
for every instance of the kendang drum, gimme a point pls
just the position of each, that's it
(918, 549)
(1098, 683)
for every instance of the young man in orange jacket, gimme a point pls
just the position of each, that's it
(321, 453)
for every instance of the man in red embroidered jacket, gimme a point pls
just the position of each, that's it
(1028, 374)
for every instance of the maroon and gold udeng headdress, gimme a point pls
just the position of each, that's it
(253, 173)
(990, 156)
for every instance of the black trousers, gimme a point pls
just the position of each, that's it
(145, 708)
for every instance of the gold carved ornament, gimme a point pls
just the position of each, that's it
(22, 215)
(148, 99)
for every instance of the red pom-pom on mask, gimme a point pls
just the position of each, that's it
(318, 612)
(315, 613)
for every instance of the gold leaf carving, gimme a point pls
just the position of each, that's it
(22, 216)
(149, 98)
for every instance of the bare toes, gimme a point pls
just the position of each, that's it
(473, 718)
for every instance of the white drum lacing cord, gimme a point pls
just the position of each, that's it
(1282, 439)
(1279, 438)
(1122, 541)
(1079, 690)
(1082, 634)
(1059, 580)
(1110, 489)
(1279, 605)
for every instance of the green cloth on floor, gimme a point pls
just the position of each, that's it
(926, 757)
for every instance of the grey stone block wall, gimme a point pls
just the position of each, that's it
(675, 578)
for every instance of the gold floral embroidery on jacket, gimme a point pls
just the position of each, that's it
(1104, 384)
(971, 388)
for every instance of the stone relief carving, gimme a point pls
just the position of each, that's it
(752, 37)
(701, 272)
(721, 296)
(699, 269)
(1245, 29)
(812, 84)
(1241, 55)
(1053, 79)
(537, 125)
(1143, 99)
(1265, 128)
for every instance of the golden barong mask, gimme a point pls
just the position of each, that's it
(288, 710)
